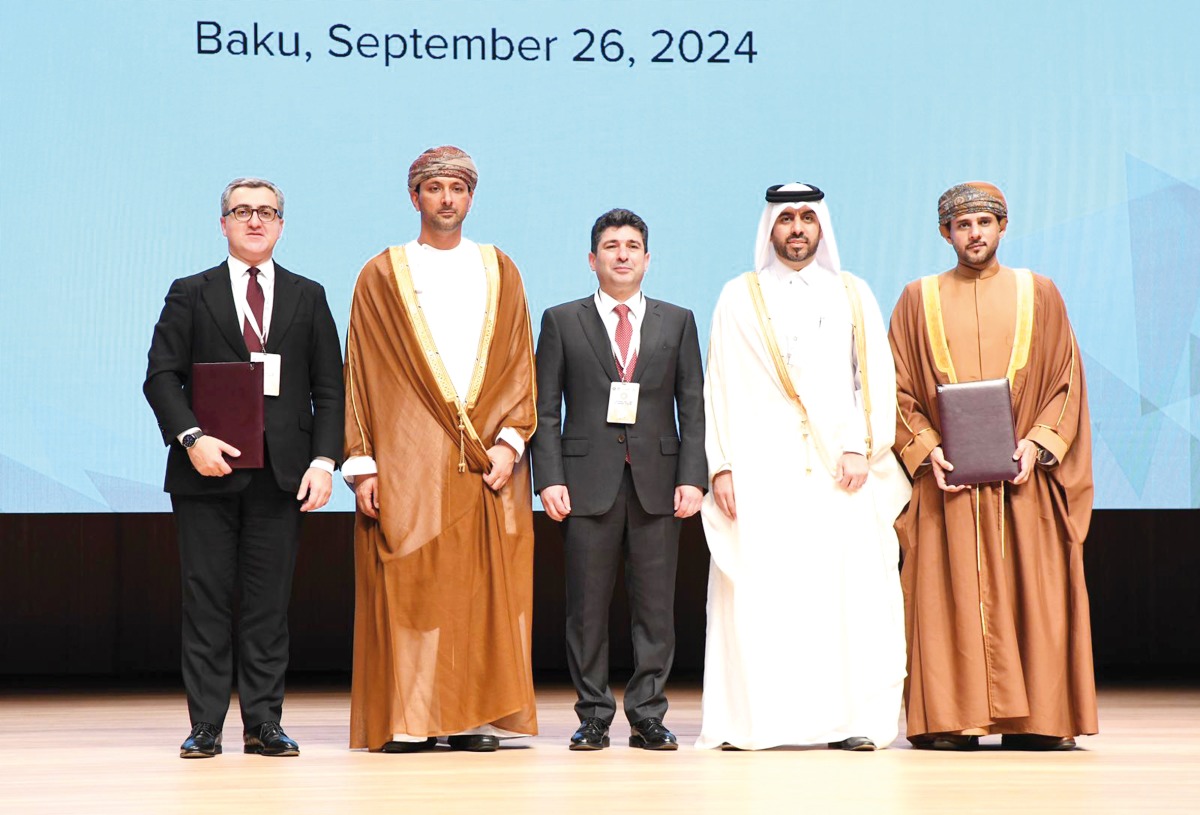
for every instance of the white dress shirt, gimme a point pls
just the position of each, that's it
(606, 306)
(239, 279)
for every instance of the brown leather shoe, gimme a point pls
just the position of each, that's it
(1036, 741)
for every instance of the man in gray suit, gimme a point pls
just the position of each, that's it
(619, 472)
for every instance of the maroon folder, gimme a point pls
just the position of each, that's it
(978, 437)
(227, 398)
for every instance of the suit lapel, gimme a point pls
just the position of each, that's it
(651, 330)
(283, 309)
(218, 298)
(597, 336)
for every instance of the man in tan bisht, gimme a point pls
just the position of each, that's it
(999, 640)
(440, 404)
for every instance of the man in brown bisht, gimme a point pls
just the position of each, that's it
(440, 404)
(999, 640)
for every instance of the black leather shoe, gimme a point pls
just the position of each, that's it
(268, 739)
(652, 734)
(1034, 741)
(945, 741)
(409, 746)
(857, 744)
(475, 744)
(203, 742)
(591, 735)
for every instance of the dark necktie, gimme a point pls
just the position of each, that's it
(255, 299)
(624, 336)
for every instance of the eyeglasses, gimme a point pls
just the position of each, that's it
(244, 213)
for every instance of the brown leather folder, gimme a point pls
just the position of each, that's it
(227, 398)
(978, 437)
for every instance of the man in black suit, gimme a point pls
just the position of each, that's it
(240, 527)
(619, 472)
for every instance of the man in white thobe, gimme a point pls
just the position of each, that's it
(805, 617)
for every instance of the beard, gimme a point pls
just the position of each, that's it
(971, 256)
(441, 219)
(445, 222)
(795, 254)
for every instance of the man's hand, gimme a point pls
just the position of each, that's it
(722, 487)
(937, 460)
(557, 501)
(503, 458)
(1026, 453)
(852, 471)
(206, 456)
(687, 500)
(315, 489)
(366, 495)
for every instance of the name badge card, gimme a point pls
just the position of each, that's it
(622, 402)
(272, 363)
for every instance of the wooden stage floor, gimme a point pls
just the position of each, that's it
(116, 752)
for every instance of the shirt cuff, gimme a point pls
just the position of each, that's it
(513, 439)
(321, 464)
(358, 465)
(854, 444)
(179, 438)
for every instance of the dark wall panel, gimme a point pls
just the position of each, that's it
(99, 595)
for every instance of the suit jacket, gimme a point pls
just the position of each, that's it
(585, 452)
(199, 324)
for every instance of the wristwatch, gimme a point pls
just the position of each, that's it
(189, 439)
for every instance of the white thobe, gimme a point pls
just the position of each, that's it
(805, 616)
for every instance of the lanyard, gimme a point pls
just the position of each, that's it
(248, 313)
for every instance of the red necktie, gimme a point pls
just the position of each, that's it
(256, 300)
(624, 336)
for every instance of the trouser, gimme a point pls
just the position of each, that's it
(245, 541)
(594, 547)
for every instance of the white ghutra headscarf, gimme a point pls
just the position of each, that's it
(804, 196)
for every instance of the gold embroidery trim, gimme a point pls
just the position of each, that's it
(931, 298)
(1053, 430)
(408, 295)
(860, 348)
(491, 269)
(1000, 508)
(532, 361)
(914, 438)
(908, 427)
(1070, 385)
(367, 447)
(764, 325)
(979, 568)
(1023, 331)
